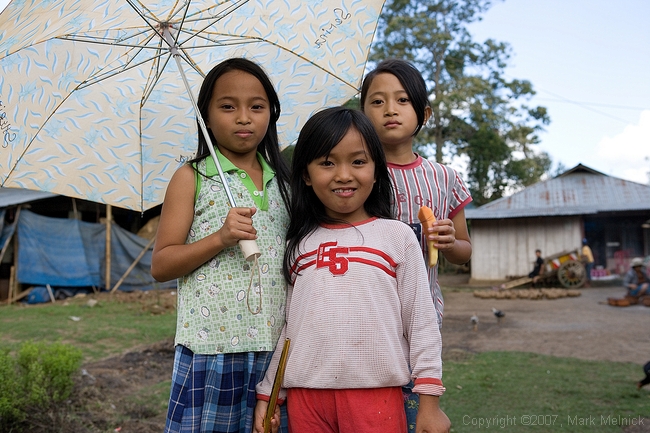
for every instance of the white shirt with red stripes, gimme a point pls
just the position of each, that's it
(359, 312)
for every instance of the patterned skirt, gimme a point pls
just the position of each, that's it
(215, 393)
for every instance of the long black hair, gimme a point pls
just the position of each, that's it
(268, 147)
(322, 132)
(409, 77)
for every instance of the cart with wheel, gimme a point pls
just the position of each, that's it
(565, 268)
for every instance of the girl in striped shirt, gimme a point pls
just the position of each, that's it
(395, 98)
(358, 300)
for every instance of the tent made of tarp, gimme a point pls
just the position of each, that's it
(15, 196)
(72, 253)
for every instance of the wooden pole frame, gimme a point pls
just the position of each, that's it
(135, 262)
(109, 218)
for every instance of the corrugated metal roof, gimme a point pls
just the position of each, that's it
(14, 196)
(579, 191)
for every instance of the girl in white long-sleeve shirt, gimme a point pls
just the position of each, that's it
(358, 304)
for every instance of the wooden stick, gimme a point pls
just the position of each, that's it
(18, 297)
(109, 218)
(50, 292)
(277, 384)
(12, 276)
(135, 262)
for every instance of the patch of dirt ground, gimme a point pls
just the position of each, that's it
(583, 327)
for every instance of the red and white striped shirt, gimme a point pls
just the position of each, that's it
(427, 183)
(359, 312)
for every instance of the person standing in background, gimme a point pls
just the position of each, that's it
(587, 258)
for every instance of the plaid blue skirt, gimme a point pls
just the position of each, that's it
(215, 393)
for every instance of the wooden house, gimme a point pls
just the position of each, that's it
(554, 216)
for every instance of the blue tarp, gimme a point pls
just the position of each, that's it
(125, 248)
(14, 196)
(71, 253)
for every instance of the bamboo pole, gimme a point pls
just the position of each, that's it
(109, 217)
(50, 292)
(75, 213)
(12, 277)
(135, 262)
(14, 287)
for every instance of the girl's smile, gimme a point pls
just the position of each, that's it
(344, 179)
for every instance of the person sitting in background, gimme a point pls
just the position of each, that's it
(537, 269)
(636, 279)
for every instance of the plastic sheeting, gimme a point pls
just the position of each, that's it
(72, 253)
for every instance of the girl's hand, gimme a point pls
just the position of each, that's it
(452, 238)
(238, 226)
(443, 234)
(260, 414)
(430, 418)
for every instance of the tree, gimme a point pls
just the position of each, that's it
(477, 112)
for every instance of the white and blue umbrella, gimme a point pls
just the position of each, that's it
(92, 98)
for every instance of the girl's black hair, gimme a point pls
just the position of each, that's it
(409, 77)
(322, 132)
(268, 147)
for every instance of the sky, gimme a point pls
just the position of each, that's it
(589, 62)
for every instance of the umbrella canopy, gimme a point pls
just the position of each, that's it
(92, 104)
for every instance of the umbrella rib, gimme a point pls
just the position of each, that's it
(152, 83)
(115, 71)
(211, 22)
(253, 39)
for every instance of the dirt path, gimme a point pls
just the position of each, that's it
(581, 327)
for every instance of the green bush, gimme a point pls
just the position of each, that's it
(9, 389)
(35, 381)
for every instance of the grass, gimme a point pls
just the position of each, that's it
(525, 392)
(492, 391)
(108, 328)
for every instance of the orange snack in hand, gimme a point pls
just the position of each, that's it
(427, 218)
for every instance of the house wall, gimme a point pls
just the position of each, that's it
(505, 248)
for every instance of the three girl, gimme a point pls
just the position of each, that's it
(359, 309)
(230, 311)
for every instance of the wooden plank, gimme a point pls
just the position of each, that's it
(515, 283)
(18, 297)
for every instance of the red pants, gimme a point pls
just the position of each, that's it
(375, 410)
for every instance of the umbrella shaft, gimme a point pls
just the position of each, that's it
(249, 247)
(206, 135)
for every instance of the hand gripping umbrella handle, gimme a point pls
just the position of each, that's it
(277, 384)
(248, 247)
